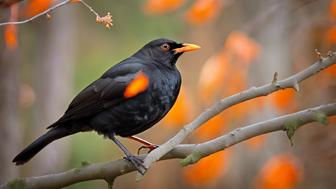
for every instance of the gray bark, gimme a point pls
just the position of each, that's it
(53, 83)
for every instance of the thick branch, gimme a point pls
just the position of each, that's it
(291, 82)
(109, 171)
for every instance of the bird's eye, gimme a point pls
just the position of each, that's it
(165, 47)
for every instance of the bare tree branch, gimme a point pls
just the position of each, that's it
(106, 20)
(111, 170)
(290, 82)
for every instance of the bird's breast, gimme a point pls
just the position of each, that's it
(144, 110)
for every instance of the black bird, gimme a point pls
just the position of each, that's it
(127, 99)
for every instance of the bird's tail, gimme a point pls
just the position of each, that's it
(32, 149)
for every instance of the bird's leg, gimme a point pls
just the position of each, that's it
(136, 161)
(147, 145)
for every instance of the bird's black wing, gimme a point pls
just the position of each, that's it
(103, 93)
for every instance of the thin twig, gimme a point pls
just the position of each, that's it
(38, 15)
(89, 7)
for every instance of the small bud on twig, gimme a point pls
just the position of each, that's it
(330, 54)
(48, 16)
(319, 55)
(107, 20)
(275, 78)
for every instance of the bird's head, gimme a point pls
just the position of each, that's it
(164, 51)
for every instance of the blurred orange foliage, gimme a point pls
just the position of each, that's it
(242, 110)
(35, 7)
(332, 120)
(236, 82)
(203, 11)
(330, 35)
(162, 6)
(284, 100)
(331, 70)
(212, 128)
(332, 9)
(256, 142)
(242, 47)
(222, 122)
(280, 172)
(212, 77)
(181, 113)
(10, 35)
(225, 74)
(215, 79)
(208, 169)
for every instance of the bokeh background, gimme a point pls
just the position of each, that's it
(45, 63)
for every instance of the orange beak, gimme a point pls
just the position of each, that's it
(186, 47)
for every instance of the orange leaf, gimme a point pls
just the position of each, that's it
(35, 7)
(137, 85)
(242, 46)
(181, 113)
(281, 172)
(162, 6)
(212, 77)
(208, 169)
(203, 11)
(284, 99)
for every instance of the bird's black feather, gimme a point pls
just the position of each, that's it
(103, 107)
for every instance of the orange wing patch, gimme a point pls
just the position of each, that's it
(137, 85)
